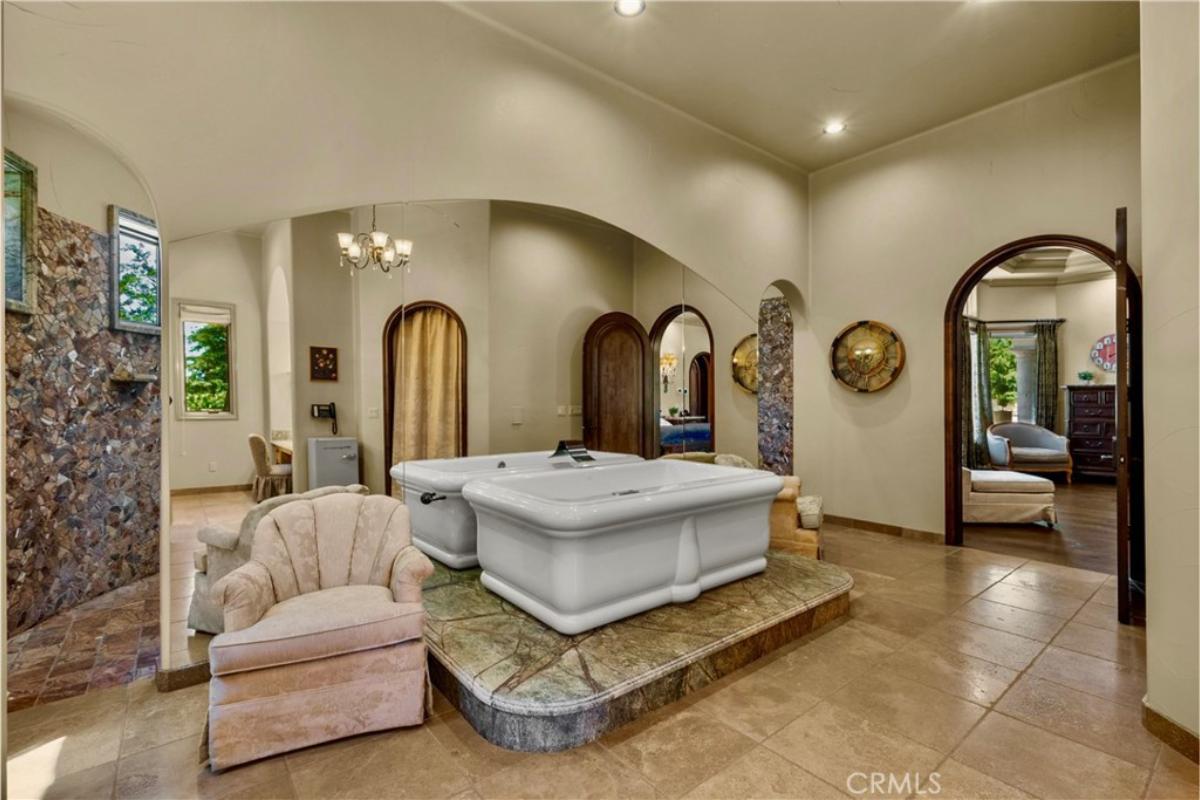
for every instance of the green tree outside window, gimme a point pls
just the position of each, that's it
(206, 367)
(1003, 372)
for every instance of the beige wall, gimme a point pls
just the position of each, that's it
(450, 265)
(470, 112)
(223, 268)
(1090, 313)
(323, 307)
(998, 302)
(551, 276)
(1171, 208)
(276, 288)
(78, 178)
(892, 231)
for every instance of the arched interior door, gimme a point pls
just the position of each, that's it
(617, 386)
(700, 386)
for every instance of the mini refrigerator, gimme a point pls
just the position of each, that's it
(332, 461)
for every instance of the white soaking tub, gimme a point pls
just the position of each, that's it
(443, 524)
(579, 548)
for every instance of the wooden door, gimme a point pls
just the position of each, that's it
(1131, 527)
(618, 385)
(700, 385)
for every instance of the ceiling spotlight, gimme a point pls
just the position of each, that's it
(835, 126)
(629, 8)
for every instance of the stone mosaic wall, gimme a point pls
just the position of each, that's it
(775, 386)
(83, 453)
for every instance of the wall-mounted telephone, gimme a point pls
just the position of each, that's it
(326, 411)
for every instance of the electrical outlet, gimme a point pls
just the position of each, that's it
(518, 415)
(212, 466)
(372, 413)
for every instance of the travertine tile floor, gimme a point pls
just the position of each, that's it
(1006, 678)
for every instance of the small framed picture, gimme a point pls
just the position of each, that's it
(322, 364)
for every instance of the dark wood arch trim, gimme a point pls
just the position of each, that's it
(389, 379)
(656, 333)
(953, 342)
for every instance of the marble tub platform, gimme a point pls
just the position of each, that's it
(524, 686)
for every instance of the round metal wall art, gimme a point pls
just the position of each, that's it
(744, 363)
(1104, 353)
(866, 356)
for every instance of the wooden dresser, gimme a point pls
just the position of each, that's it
(1091, 427)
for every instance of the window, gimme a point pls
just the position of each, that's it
(20, 231)
(136, 272)
(205, 363)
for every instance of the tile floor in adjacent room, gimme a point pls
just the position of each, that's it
(1007, 678)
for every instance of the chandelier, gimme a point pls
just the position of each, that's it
(376, 249)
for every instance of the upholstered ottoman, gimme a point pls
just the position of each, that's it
(1006, 496)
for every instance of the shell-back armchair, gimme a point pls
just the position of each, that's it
(1024, 447)
(225, 550)
(323, 630)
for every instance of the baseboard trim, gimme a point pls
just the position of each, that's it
(928, 537)
(238, 487)
(1172, 733)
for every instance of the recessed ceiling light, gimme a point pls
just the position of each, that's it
(834, 126)
(629, 8)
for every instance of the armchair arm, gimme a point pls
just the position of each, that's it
(245, 595)
(998, 450)
(223, 538)
(409, 571)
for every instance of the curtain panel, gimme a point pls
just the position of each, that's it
(428, 406)
(976, 386)
(1046, 391)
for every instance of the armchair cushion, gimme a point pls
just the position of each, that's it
(318, 625)
(1038, 455)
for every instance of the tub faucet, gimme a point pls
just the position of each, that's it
(574, 448)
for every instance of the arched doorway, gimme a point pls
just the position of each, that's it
(683, 334)
(424, 384)
(1129, 536)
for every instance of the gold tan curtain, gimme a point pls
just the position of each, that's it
(428, 402)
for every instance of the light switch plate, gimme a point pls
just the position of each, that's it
(372, 413)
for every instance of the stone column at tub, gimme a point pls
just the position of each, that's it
(775, 389)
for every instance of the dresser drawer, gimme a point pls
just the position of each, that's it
(1091, 427)
(1096, 445)
(1094, 461)
(1092, 412)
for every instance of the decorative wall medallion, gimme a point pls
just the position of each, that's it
(745, 363)
(322, 364)
(866, 356)
(1104, 353)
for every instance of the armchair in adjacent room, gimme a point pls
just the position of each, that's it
(1023, 447)
(323, 630)
(225, 550)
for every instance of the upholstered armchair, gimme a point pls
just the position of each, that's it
(269, 479)
(323, 630)
(225, 550)
(1023, 447)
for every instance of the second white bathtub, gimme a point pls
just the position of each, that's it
(579, 548)
(443, 523)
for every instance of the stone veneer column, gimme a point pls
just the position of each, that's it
(83, 454)
(775, 387)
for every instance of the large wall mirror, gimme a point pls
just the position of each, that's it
(521, 325)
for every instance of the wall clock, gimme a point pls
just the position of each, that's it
(745, 363)
(1104, 353)
(866, 356)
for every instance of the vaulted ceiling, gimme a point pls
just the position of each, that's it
(772, 73)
